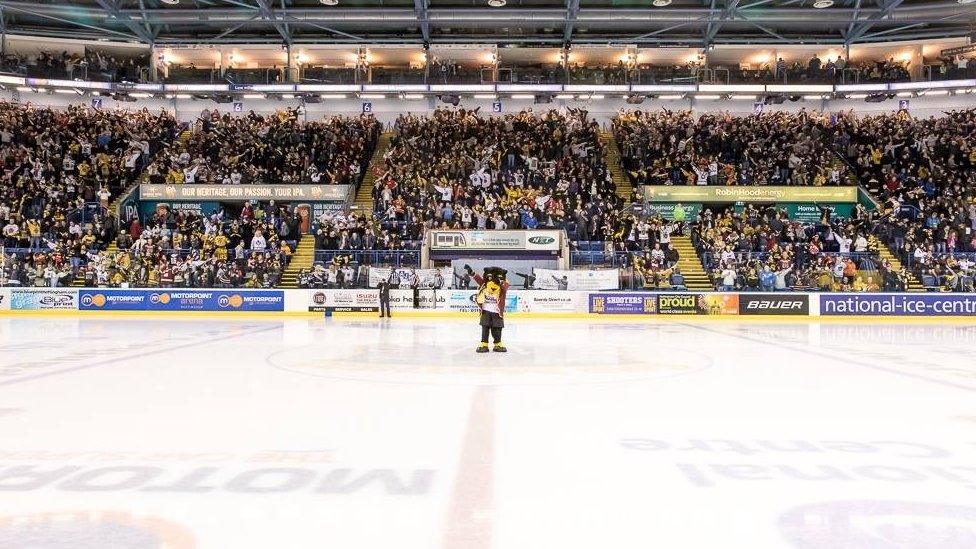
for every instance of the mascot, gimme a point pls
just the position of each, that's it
(490, 298)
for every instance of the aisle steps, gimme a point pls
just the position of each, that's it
(611, 154)
(690, 264)
(364, 196)
(303, 258)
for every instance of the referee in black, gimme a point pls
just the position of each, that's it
(384, 288)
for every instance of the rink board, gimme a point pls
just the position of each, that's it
(542, 303)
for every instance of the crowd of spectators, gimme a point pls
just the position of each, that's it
(762, 249)
(923, 170)
(187, 249)
(686, 148)
(59, 169)
(456, 169)
(278, 148)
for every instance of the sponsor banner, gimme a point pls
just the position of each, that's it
(216, 300)
(666, 210)
(623, 303)
(698, 304)
(112, 300)
(243, 193)
(906, 304)
(496, 240)
(182, 300)
(401, 278)
(344, 300)
(35, 299)
(542, 301)
(4, 299)
(774, 304)
(464, 301)
(551, 279)
(810, 213)
(771, 194)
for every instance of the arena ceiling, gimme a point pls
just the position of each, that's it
(695, 23)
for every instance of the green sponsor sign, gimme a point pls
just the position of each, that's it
(666, 211)
(811, 213)
(753, 194)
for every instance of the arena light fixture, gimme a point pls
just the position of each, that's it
(858, 96)
(737, 97)
(814, 97)
(564, 96)
(966, 1)
(253, 96)
(598, 96)
(523, 96)
(372, 96)
(708, 97)
(170, 2)
(329, 2)
(936, 92)
(497, 3)
(661, 3)
(412, 96)
(821, 4)
(670, 97)
(332, 95)
(485, 96)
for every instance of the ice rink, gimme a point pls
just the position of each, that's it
(350, 433)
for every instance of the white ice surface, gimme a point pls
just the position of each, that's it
(360, 433)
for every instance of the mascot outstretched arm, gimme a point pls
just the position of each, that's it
(492, 288)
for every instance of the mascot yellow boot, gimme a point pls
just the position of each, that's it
(492, 289)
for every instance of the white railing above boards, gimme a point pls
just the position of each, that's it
(174, 90)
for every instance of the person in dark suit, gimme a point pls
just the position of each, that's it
(384, 289)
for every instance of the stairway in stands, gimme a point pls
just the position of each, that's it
(884, 252)
(691, 265)
(611, 154)
(364, 197)
(303, 258)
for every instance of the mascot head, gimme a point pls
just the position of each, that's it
(494, 278)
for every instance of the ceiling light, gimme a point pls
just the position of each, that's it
(858, 96)
(413, 96)
(670, 97)
(330, 2)
(709, 97)
(170, 2)
(497, 3)
(485, 96)
(523, 96)
(253, 96)
(661, 3)
(965, 1)
(564, 96)
(821, 4)
(372, 96)
(332, 95)
(813, 97)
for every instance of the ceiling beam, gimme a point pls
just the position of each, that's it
(863, 27)
(420, 9)
(268, 13)
(572, 11)
(112, 8)
(42, 15)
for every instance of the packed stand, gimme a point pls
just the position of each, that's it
(686, 148)
(762, 249)
(456, 169)
(923, 171)
(274, 149)
(60, 170)
(186, 249)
